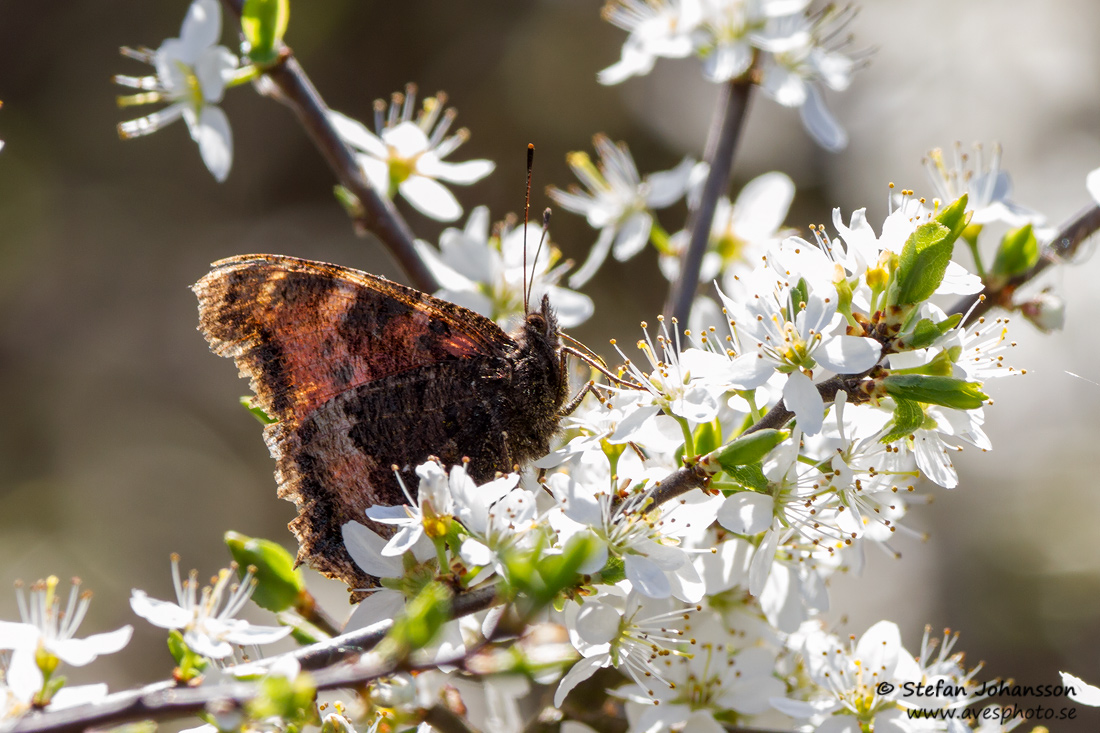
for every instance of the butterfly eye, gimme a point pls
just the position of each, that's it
(535, 320)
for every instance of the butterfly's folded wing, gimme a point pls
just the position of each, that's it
(361, 374)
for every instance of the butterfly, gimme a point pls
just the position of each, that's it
(362, 375)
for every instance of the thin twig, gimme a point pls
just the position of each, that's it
(725, 130)
(379, 214)
(1061, 248)
(166, 700)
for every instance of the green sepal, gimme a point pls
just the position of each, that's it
(279, 584)
(933, 390)
(747, 449)
(290, 700)
(926, 332)
(264, 23)
(257, 412)
(908, 416)
(189, 665)
(1018, 253)
(559, 572)
(800, 295)
(926, 254)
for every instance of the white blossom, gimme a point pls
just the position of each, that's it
(406, 156)
(192, 74)
(206, 620)
(618, 201)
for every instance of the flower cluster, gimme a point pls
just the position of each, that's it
(702, 598)
(796, 52)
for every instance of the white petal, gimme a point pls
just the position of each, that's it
(430, 198)
(23, 677)
(475, 553)
(247, 634)
(79, 652)
(1092, 183)
(749, 371)
(802, 398)
(471, 171)
(365, 547)
(398, 514)
(820, 123)
(879, 648)
(727, 568)
(580, 671)
(1083, 693)
(406, 139)
(377, 173)
(762, 562)
(202, 27)
(596, 256)
(848, 354)
(70, 697)
(598, 623)
(159, 613)
(666, 187)
(206, 645)
(632, 236)
(572, 308)
(634, 61)
(727, 61)
(381, 605)
(354, 133)
(747, 512)
(762, 205)
(215, 140)
(212, 70)
(646, 576)
(15, 635)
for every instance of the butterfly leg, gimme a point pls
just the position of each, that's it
(574, 403)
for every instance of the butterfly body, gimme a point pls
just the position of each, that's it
(363, 374)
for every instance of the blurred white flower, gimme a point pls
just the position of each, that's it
(406, 156)
(658, 28)
(740, 233)
(208, 626)
(979, 176)
(43, 640)
(618, 201)
(1092, 183)
(192, 73)
(485, 271)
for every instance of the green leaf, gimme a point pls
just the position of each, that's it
(424, 616)
(751, 477)
(278, 583)
(926, 332)
(908, 416)
(747, 449)
(1018, 253)
(926, 254)
(257, 412)
(708, 436)
(264, 24)
(946, 391)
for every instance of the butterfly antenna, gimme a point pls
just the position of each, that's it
(526, 212)
(538, 250)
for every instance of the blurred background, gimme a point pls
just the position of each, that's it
(121, 439)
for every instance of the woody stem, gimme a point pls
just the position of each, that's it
(378, 214)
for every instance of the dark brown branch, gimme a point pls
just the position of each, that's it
(379, 214)
(725, 130)
(165, 700)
